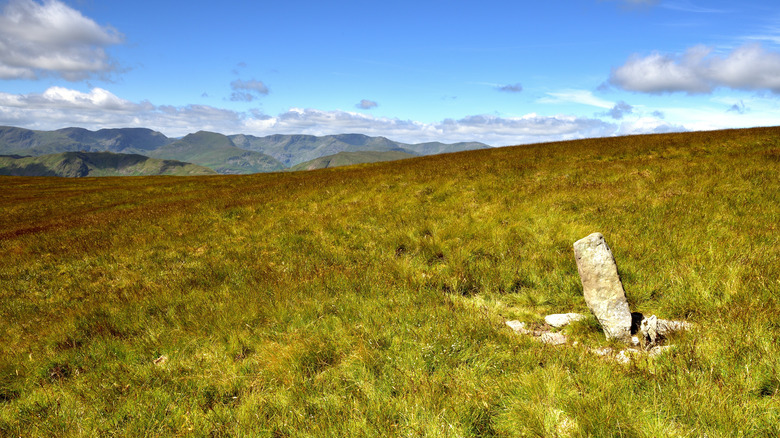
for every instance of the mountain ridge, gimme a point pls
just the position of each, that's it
(85, 164)
(227, 154)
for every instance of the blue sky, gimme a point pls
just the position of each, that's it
(500, 72)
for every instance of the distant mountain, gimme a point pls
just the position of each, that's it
(217, 152)
(348, 158)
(126, 140)
(433, 148)
(238, 153)
(81, 164)
(295, 149)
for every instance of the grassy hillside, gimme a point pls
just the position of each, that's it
(81, 164)
(349, 158)
(218, 152)
(371, 300)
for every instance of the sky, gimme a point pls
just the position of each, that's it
(499, 72)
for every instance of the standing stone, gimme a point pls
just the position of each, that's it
(601, 286)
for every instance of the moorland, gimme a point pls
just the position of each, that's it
(371, 300)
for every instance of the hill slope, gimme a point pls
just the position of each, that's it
(218, 152)
(296, 149)
(81, 164)
(349, 158)
(372, 300)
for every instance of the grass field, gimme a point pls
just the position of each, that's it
(371, 300)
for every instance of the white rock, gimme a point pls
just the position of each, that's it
(562, 319)
(625, 356)
(517, 326)
(553, 338)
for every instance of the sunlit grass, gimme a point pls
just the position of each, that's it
(371, 300)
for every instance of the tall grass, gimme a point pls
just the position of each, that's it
(371, 300)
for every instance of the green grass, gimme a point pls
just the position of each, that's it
(370, 300)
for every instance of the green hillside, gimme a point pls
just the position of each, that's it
(372, 300)
(218, 152)
(349, 158)
(126, 140)
(295, 149)
(81, 164)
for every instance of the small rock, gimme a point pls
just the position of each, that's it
(518, 326)
(161, 360)
(649, 329)
(625, 356)
(634, 341)
(602, 351)
(553, 338)
(562, 319)
(653, 329)
(602, 287)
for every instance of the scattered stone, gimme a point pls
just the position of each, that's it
(518, 326)
(602, 287)
(602, 351)
(553, 338)
(563, 319)
(625, 356)
(654, 330)
(634, 340)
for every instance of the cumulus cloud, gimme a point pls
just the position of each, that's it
(59, 107)
(489, 129)
(52, 39)
(699, 70)
(367, 104)
(98, 108)
(247, 91)
(516, 88)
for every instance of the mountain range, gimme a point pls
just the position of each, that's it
(225, 154)
(81, 164)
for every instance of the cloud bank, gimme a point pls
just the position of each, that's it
(60, 107)
(700, 71)
(51, 39)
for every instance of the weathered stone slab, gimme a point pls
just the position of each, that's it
(602, 287)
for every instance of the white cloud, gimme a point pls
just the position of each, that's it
(59, 107)
(584, 97)
(698, 70)
(52, 39)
